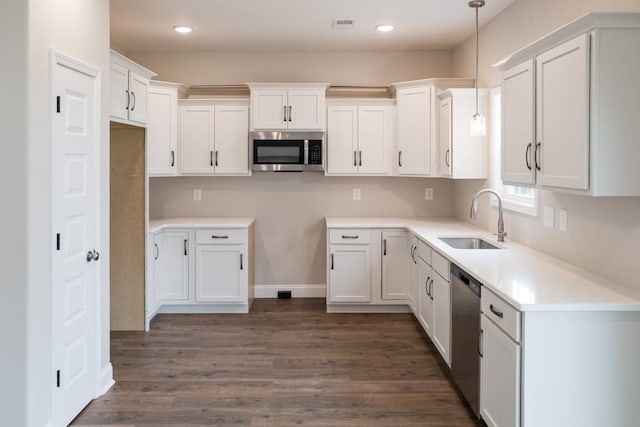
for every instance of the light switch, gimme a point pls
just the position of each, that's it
(563, 220)
(547, 216)
(197, 194)
(356, 194)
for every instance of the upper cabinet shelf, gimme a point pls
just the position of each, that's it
(569, 108)
(297, 106)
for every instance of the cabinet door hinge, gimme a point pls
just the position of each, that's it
(58, 242)
(57, 104)
(58, 378)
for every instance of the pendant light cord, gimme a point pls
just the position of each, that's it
(477, 60)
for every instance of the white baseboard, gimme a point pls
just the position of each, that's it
(106, 379)
(364, 308)
(297, 291)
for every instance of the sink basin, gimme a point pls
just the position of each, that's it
(468, 243)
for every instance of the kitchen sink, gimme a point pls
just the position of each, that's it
(468, 243)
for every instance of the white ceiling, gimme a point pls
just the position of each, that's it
(143, 25)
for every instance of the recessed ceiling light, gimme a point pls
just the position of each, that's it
(182, 29)
(385, 28)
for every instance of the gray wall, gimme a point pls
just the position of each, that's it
(604, 233)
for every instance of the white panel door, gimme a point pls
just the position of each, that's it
(172, 282)
(342, 140)
(119, 92)
(563, 114)
(138, 104)
(518, 124)
(162, 132)
(269, 109)
(395, 267)
(350, 273)
(425, 305)
(441, 296)
(306, 109)
(375, 140)
(500, 377)
(75, 141)
(444, 136)
(231, 140)
(414, 131)
(220, 274)
(196, 139)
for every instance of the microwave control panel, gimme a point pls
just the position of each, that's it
(315, 152)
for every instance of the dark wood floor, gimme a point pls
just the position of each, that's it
(287, 363)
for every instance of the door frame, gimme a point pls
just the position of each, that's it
(58, 59)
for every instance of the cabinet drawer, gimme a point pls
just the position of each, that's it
(356, 236)
(441, 265)
(502, 314)
(220, 236)
(424, 251)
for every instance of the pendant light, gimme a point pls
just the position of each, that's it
(478, 121)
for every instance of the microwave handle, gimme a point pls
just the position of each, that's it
(306, 151)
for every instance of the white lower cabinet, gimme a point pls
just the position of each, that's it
(412, 261)
(395, 271)
(350, 273)
(171, 267)
(425, 305)
(201, 270)
(500, 377)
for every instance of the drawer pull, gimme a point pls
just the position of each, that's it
(496, 312)
(350, 237)
(241, 263)
(219, 237)
(185, 247)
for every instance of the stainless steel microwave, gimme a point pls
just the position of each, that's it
(287, 151)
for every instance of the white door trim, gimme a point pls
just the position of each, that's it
(57, 58)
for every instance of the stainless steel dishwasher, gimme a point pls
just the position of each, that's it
(465, 335)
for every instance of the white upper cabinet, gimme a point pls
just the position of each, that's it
(360, 139)
(128, 90)
(162, 129)
(288, 106)
(416, 125)
(518, 124)
(213, 137)
(577, 88)
(461, 155)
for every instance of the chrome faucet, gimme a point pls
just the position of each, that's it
(474, 211)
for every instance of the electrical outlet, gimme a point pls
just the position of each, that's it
(548, 216)
(197, 194)
(356, 194)
(428, 193)
(563, 220)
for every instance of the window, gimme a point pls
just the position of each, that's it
(518, 199)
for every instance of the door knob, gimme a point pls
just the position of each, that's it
(93, 256)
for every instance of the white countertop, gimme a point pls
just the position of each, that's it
(527, 279)
(199, 222)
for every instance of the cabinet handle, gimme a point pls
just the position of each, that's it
(527, 155)
(384, 246)
(446, 158)
(332, 261)
(185, 247)
(284, 114)
(133, 94)
(355, 158)
(480, 346)
(538, 145)
(431, 289)
(157, 249)
(400, 158)
(219, 237)
(241, 266)
(413, 254)
(211, 158)
(496, 311)
(217, 157)
(426, 285)
(128, 99)
(350, 237)
(173, 158)
(290, 112)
